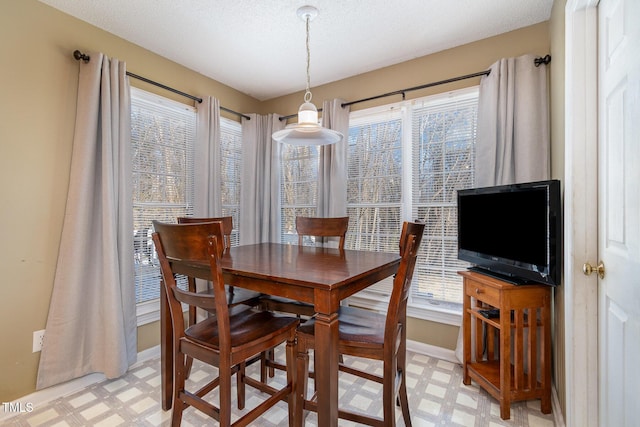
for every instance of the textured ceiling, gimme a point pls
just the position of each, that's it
(258, 46)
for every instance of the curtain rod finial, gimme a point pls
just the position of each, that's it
(545, 60)
(79, 55)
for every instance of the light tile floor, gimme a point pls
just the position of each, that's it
(437, 397)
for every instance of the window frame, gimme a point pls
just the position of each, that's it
(149, 311)
(446, 313)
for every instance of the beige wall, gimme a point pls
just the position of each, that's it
(467, 59)
(37, 107)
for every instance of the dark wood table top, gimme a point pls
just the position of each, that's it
(304, 268)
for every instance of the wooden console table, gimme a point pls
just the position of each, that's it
(518, 365)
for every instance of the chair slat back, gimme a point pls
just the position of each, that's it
(200, 242)
(322, 227)
(410, 240)
(227, 225)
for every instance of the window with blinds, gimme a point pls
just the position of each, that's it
(406, 162)
(299, 187)
(231, 158)
(374, 185)
(443, 148)
(163, 133)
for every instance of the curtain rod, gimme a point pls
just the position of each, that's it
(537, 62)
(79, 55)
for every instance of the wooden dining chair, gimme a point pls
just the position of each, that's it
(234, 296)
(316, 230)
(368, 334)
(323, 228)
(227, 339)
(309, 227)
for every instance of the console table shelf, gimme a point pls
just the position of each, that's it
(509, 359)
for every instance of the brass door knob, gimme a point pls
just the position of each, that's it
(587, 269)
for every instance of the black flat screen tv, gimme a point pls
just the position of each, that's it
(513, 232)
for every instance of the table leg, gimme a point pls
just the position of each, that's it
(326, 359)
(166, 352)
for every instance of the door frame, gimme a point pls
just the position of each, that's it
(581, 222)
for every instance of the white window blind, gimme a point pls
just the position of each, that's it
(299, 187)
(406, 162)
(443, 141)
(162, 134)
(231, 157)
(374, 185)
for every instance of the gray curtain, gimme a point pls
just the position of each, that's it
(332, 169)
(260, 184)
(208, 198)
(91, 324)
(513, 142)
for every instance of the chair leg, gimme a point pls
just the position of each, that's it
(271, 354)
(265, 367)
(402, 369)
(240, 387)
(192, 321)
(224, 374)
(291, 377)
(404, 401)
(178, 386)
(302, 375)
(188, 363)
(389, 393)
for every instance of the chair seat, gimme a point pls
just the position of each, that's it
(358, 327)
(247, 326)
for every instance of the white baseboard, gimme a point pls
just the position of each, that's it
(558, 419)
(42, 397)
(432, 351)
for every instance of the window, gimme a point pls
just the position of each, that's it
(444, 132)
(299, 187)
(162, 135)
(231, 158)
(406, 162)
(374, 186)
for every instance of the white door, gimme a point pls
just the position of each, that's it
(619, 212)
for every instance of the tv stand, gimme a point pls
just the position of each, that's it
(500, 276)
(517, 362)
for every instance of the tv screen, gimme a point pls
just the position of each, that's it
(513, 231)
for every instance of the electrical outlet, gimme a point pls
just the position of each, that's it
(38, 339)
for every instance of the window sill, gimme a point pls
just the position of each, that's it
(439, 314)
(148, 312)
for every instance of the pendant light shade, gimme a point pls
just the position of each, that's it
(308, 130)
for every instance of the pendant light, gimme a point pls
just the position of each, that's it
(307, 131)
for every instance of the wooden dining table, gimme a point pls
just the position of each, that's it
(315, 275)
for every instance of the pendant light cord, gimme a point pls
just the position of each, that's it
(307, 94)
